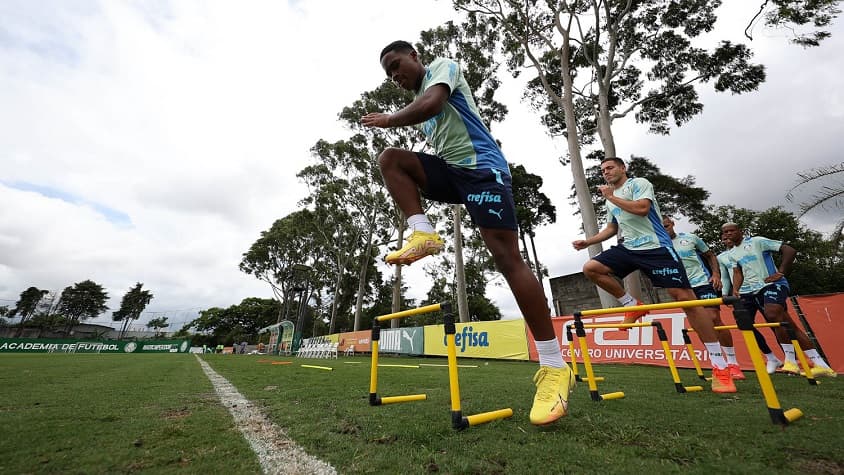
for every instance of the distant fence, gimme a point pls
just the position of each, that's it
(29, 345)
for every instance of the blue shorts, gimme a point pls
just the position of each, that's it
(486, 193)
(773, 293)
(661, 266)
(706, 291)
(770, 294)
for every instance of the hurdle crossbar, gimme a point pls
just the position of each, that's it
(375, 337)
(458, 420)
(661, 306)
(592, 380)
(792, 335)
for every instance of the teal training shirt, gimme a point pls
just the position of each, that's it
(688, 246)
(754, 257)
(640, 232)
(726, 273)
(457, 134)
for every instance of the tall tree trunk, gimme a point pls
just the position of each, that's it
(335, 299)
(539, 275)
(362, 277)
(394, 323)
(632, 283)
(584, 198)
(525, 248)
(459, 269)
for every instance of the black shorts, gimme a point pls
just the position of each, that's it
(706, 291)
(486, 193)
(661, 266)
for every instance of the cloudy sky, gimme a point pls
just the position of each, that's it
(152, 141)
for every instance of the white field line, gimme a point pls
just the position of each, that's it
(276, 453)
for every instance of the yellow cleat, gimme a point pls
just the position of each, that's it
(418, 245)
(789, 367)
(553, 387)
(817, 371)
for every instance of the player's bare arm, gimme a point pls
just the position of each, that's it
(428, 105)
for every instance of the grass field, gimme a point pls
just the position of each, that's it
(87, 413)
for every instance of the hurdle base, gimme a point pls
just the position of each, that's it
(605, 397)
(374, 400)
(783, 418)
(687, 389)
(485, 417)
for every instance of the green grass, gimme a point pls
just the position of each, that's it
(114, 414)
(82, 413)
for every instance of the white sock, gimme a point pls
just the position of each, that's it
(730, 353)
(549, 353)
(627, 300)
(715, 355)
(788, 349)
(816, 358)
(772, 357)
(419, 222)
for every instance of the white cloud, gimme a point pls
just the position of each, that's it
(191, 118)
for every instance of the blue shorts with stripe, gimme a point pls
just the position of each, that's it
(706, 291)
(486, 193)
(661, 265)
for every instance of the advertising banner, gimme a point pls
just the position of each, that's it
(360, 339)
(28, 345)
(501, 339)
(406, 341)
(824, 314)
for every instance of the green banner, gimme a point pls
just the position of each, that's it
(408, 341)
(29, 345)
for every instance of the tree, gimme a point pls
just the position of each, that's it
(533, 209)
(234, 324)
(82, 301)
(790, 13)
(158, 323)
(4, 310)
(26, 305)
(134, 302)
(289, 241)
(598, 61)
(830, 195)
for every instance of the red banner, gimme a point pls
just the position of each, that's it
(824, 314)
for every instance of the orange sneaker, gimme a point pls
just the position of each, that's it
(633, 315)
(722, 382)
(735, 372)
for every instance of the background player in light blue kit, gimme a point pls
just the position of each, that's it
(692, 250)
(767, 289)
(632, 207)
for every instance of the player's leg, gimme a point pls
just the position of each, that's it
(405, 173)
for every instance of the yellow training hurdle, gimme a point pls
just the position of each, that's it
(458, 421)
(744, 322)
(801, 356)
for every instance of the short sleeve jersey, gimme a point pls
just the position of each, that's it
(688, 247)
(726, 273)
(640, 232)
(754, 257)
(457, 134)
